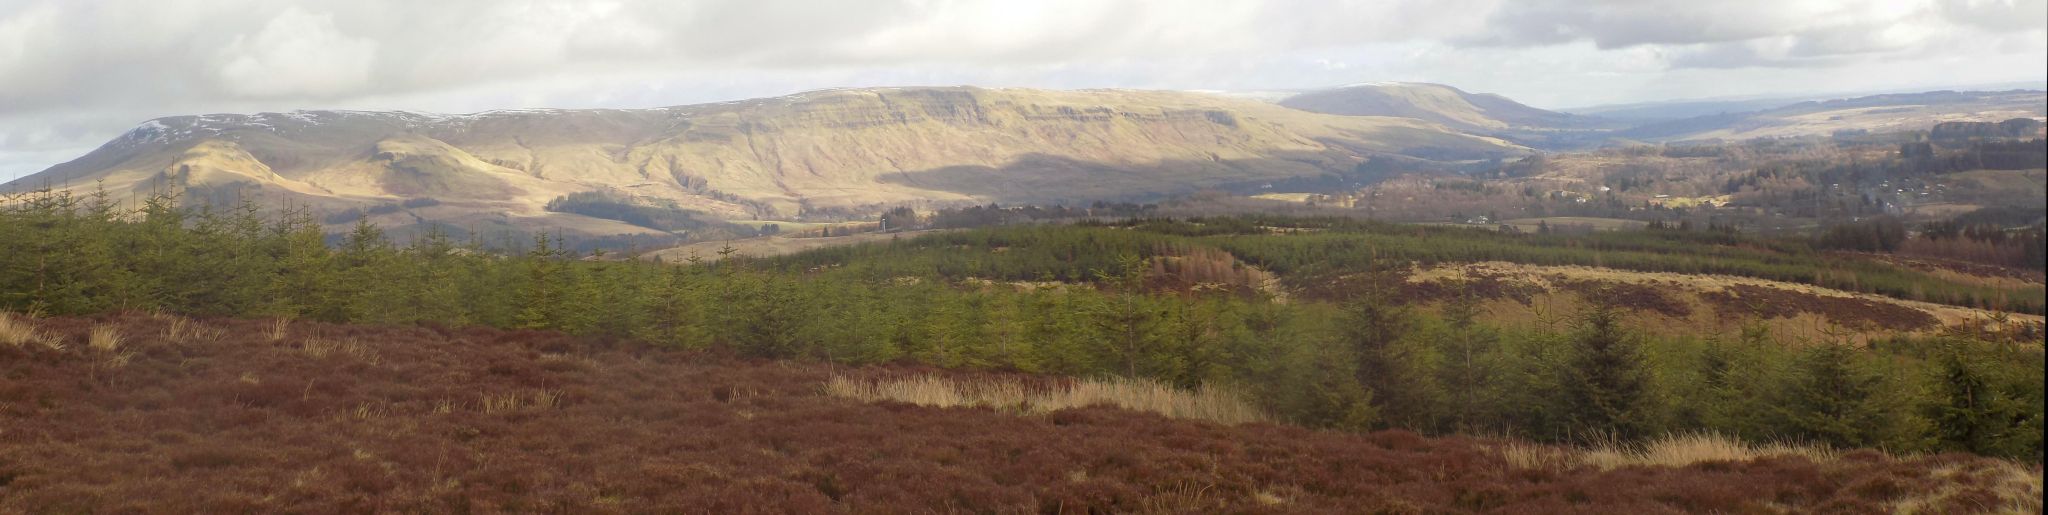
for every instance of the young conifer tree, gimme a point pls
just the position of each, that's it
(1374, 326)
(1607, 385)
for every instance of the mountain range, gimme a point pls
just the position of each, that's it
(850, 153)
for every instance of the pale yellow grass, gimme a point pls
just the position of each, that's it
(322, 348)
(1670, 451)
(185, 330)
(1285, 197)
(278, 329)
(2017, 487)
(1207, 403)
(17, 332)
(537, 400)
(104, 339)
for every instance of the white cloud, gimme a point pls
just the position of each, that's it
(297, 54)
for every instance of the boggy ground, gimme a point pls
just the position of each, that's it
(225, 416)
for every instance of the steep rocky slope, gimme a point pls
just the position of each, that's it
(852, 150)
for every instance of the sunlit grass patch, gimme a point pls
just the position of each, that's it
(322, 347)
(1207, 403)
(186, 330)
(278, 328)
(2012, 488)
(537, 400)
(104, 338)
(1676, 450)
(17, 332)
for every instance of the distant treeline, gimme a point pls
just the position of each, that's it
(1363, 362)
(993, 214)
(657, 216)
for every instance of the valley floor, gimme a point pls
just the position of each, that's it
(139, 413)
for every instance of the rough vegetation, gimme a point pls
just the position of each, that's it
(1089, 300)
(244, 307)
(440, 419)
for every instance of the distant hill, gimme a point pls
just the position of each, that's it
(1875, 113)
(1477, 113)
(822, 153)
(1434, 102)
(1652, 112)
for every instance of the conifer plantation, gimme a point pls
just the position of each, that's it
(1121, 299)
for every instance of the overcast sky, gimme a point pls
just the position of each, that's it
(75, 73)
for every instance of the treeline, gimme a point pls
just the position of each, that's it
(993, 215)
(1307, 252)
(667, 218)
(1913, 160)
(1984, 236)
(351, 214)
(1367, 363)
(1310, 250)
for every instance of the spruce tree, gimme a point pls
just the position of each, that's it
(368, 265)
(1975, 414)
(1606, 383)
(1128, 319)
(1833, 399)
(539, 301)
(1468, 364)
(303, 282)
(1374, 326)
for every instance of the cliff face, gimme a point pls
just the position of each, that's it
(848, 150)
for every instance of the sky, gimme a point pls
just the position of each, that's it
(76, 73)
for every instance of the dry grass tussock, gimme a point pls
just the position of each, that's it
(1677, 450)
(351, 348)
(1208, 403)
(17, 332)
(104, 338)
(1974, 486)
(278, 328)
(2013, 488)
(20, 330)
(537, 400)
(186, 330)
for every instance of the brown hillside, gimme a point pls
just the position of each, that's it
(140, 414)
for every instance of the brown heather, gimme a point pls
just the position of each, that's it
(437, 420)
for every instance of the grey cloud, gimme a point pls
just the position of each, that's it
(1623, 24)
(1740, 55)
(1998, 15)
(1764, 33)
